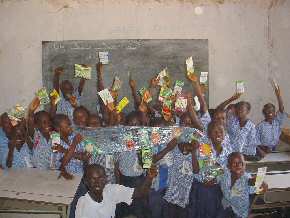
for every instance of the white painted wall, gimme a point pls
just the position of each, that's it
(244, 42)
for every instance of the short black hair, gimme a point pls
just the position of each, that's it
(133, 115)
(244, 103)
(213, 124)
(39, 114)
(268, 105)
(233, 155)
(93, 167)
(58, 118)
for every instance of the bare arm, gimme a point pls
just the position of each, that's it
(199, 94)
(81, 86)
(136, 97)
(143, 190)
(170, 146)
(57, 72)
(195, 165)
(279, 98)
(224, 104)
(196, 122)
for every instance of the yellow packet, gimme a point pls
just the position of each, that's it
(122, 104)
(55, 95)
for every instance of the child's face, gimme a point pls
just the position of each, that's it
(220, 117)
(65, 128)
(269, 113)
(6, 124)
(185, 121)
(18, 136)
(185, 148)
(217, 134)
(94, 121)
(134, 122)
(66, 89)
(242, 112)
(44, 124)
(96, 180)
(237, 165)
(80, 118)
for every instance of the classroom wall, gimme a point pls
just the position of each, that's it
(248, 39)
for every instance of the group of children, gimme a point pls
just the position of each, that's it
(185, 184)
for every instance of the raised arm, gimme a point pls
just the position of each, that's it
(195, 121)
(224, 104)
(279, 98)
(199, 94)
(57, 72)
(81, 86)
(136, 97)
(69, 155)
(30, 121)
(170, 146)
(143, 190)
(195, 165)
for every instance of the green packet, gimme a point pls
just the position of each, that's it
(91, 147)
(55, 140)
(178, 87)
(147, 157)
(164, 93)
(43, 96)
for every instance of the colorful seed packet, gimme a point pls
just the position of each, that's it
(205, 150)
(55, 140)
(54, 94)
(190, 69)
(122, 104)
(16, 113)
(180, 104)
(147, 157)
(106, 96)
(260, 178)
(178, 87)
(145, 94)
(203, 78)
(83, 71)
(43, 96)
(165, 93)
(104, 57)
(117, 84)
(240, 86)
(163, 78)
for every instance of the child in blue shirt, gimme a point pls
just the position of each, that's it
(236, 186)
(180, 176)
(269, 130)
(40, 127)
(70, 98)
(241, 130)
(5, 133)
(71, 149)
(17, 154)
(205, 188)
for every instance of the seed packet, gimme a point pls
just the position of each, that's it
(122, 104)
(165, 93)
(104, 57)
(147, 157)
(55, 140)
(260, 178)
(106, 96)
(155, 137)
(55, 95)
(117, 84)
(145, 94)
(43, 96)
(163, 78)
(129, 141)
(240, 86)
(16, 114)
(203, 78)
(178, 87)
(180, 104)
(205, 150)
(190, 69)
(83, 71)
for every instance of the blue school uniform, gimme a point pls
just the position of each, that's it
(129, 164)
(74, 166)
(205, 119)
(21, 158)
(243, 139)
(236, 197)
(65, 107)
(180, 177)
(268, 133)
(3, 146)
(41, 154)
(200, 194)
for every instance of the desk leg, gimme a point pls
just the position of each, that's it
(63, 209)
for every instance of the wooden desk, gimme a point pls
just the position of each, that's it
(37, 186)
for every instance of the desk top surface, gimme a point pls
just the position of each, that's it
(37, 185)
